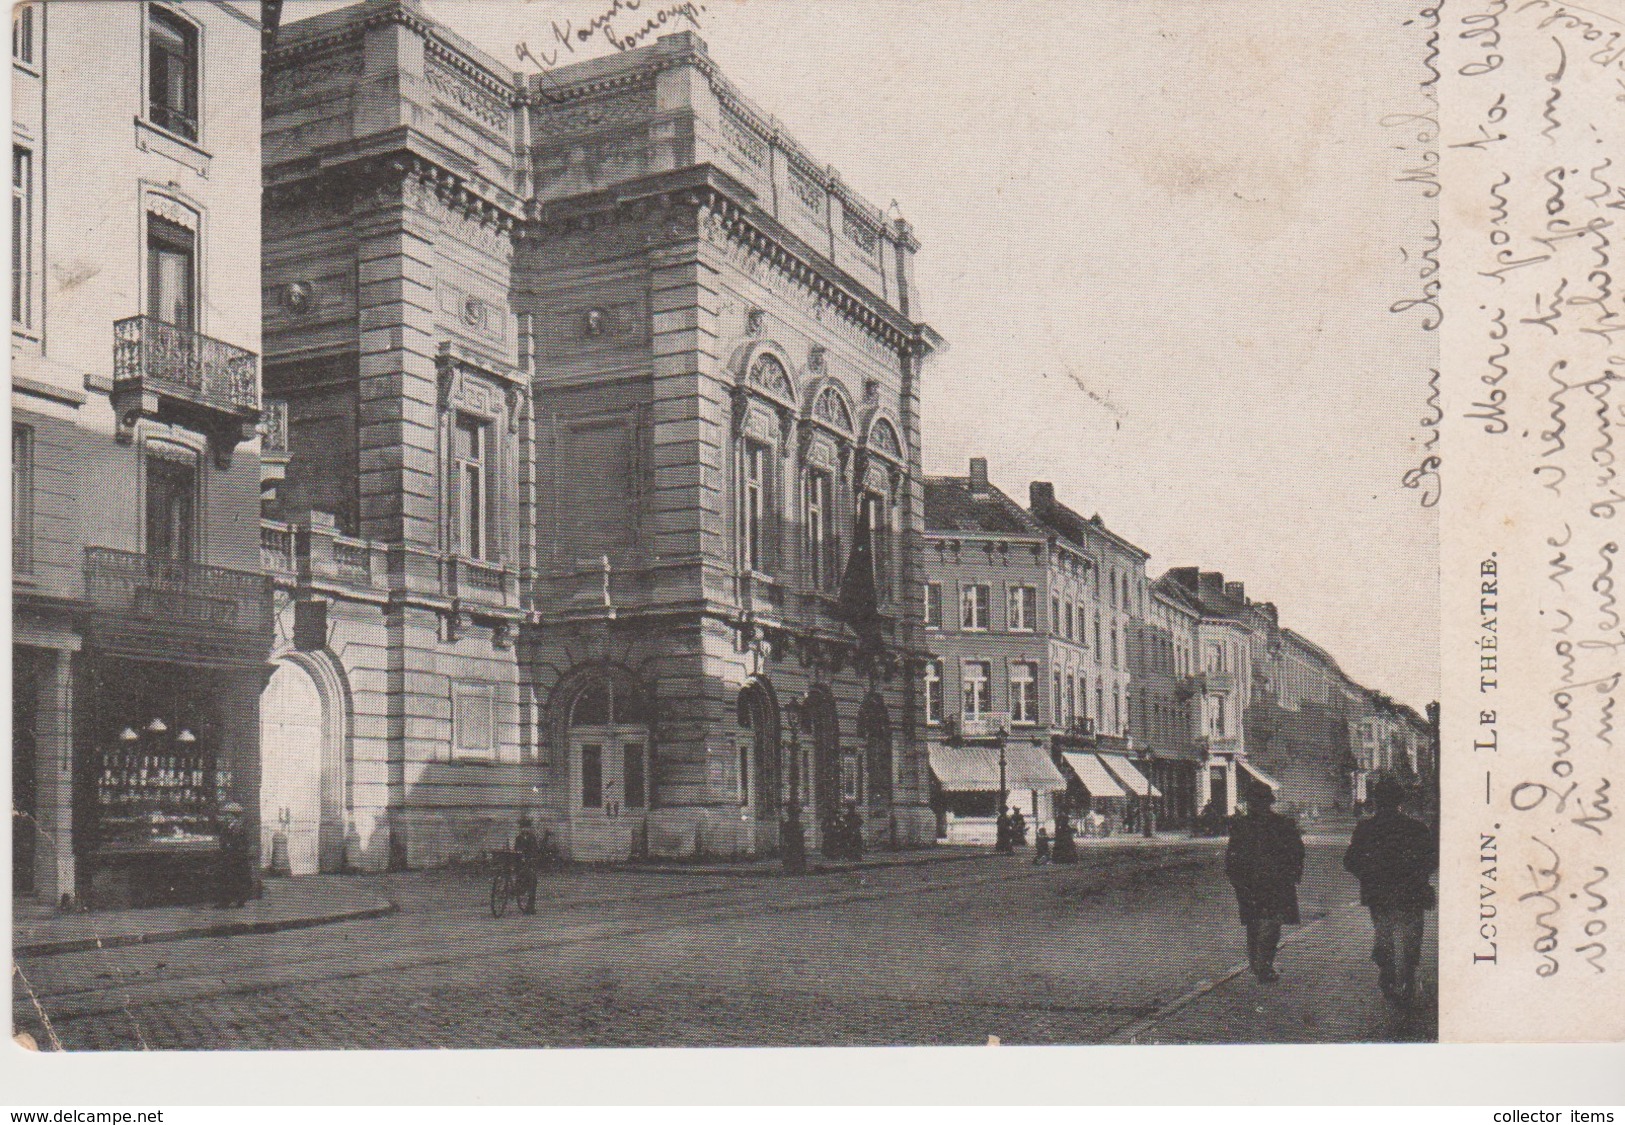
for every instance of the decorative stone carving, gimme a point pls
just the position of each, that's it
(484, 106)
(831, 408)
(753, 322)
(883, 440)
(768, 373)
(287, 81)
(298, 297)
(167, 207)
(821, 452)
(815, 358)
(810, 194)
(625, 108)
(860, 234)
(744, 142)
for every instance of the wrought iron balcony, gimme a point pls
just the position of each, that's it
(175, 603)
(173, 374)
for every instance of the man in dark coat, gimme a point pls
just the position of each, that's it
(235, 877)
(1393, 856)
(1001, 833)
(1264, 862)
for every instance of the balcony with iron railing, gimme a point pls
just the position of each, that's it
(147, 601)
(173, 374)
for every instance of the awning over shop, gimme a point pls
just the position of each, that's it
(1132, 779)
(1093, 775)
(1259, 775)
(975, 769)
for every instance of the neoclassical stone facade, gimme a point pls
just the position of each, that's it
(587, 381)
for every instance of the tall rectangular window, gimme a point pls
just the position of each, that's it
(973, 607)
(22, 236)
(1073, 697)
(592, 776)
(171, 505)
(1071, 621)
(636, 786)
(756, 506)
(933, 605)
(1023, 692)
(976, 687)
(22, 499)
(818, 515)
(1055, 623)
(877, 511)
(933, 691)
(22, 33)
(1056, 703)
(172, 73)
(1023, 609)
(171, 273)
(471, 491)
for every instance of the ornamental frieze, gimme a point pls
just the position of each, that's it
(792, 281)
(483, 106)
(626, 108)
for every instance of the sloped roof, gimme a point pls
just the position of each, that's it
(1078, 528)
(950, 506)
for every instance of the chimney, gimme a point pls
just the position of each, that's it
(1236, 590)
(1185, 576)
(1041, 495)
(1210, 585)
(978, 476)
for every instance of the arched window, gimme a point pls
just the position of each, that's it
(831, 408)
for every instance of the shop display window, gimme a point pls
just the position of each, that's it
(158, 786)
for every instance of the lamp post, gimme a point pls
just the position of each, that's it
(1148, 829)
(1008, 843)
(794, 844)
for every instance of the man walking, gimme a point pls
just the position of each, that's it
(1393, 856)
(1264, 862)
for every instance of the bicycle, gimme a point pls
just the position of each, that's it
(512, 880)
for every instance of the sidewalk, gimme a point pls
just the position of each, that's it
(38, 930)
(917, 857)
(1327, 994)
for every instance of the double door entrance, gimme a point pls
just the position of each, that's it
(609, 790)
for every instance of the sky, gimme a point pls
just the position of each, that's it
(1162, 239)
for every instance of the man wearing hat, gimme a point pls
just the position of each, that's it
(1393, 856)
(1264, 862)
(236, 875)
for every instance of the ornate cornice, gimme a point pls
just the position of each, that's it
(401, 168)
(440, 44)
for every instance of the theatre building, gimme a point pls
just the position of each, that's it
(141, 621)
(597, 490)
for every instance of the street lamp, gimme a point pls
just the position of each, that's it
(794, 847)
(1148, 829)
(1000, 735)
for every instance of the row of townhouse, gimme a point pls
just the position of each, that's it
(582, 477)
(1062, 676)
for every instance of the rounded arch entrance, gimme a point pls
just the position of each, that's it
(823, 727)
(760, 770)
(874, 731)
(603, 718)
(305, 761)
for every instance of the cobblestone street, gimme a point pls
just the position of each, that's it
(947, 953)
